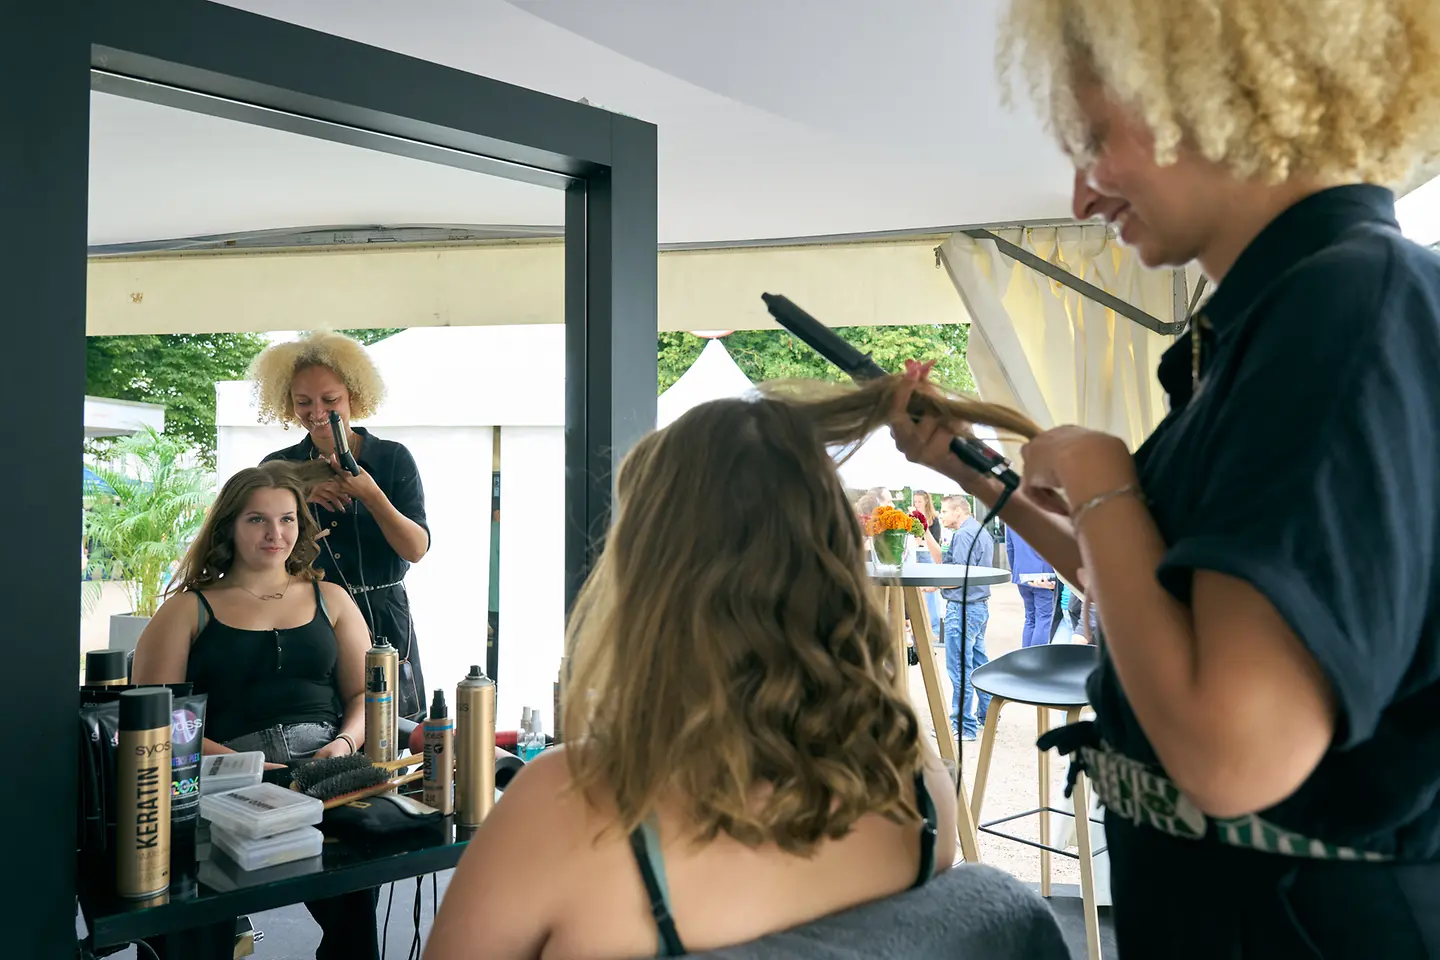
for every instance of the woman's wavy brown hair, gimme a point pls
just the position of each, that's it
(728, 651)
(213, 552)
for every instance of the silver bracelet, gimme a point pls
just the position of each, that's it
(348, 739)
(1129, 490)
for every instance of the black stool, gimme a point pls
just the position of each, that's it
(1050, 677)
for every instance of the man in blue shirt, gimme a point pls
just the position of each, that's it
(1036, 581)
(955, 515)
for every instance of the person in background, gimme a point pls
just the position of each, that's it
(1067, 614)
(1035, 578)
(925, 506)
(374, 523)
(737, 757)
(965, 623)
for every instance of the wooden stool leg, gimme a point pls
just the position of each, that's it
(965, 821)
(940, 717)
(1081, 796)
(929, 672)
(987, 747)
(895, 607)
(1042, 724)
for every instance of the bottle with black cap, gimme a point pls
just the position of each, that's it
(439, 737)
(474, 748)
(142, 821)
(379, 717)
(106, 668)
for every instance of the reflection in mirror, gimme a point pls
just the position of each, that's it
(215, 242)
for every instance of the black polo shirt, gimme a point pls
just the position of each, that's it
(356, 534)
(1306, 464)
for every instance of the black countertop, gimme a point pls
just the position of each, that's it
(214, 889)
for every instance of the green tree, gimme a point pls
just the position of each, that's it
(177, 370)
(143, 525)
(372, 335)
(775, 354)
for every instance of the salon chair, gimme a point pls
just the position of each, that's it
(975, 912)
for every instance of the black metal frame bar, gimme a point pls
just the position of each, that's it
(1088, 290)
(989, 827)
(226, 62)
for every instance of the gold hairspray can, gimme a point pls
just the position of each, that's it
(381, 713)
(142, 817)
(474, 748)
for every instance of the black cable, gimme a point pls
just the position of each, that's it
(148, 949)
(414, 952)
(385, 933)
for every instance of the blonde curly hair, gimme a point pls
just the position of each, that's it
(276, 366)
(1336, 89)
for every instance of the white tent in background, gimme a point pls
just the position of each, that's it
(879, 464)
(713, 376)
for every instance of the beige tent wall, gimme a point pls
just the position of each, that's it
(509, 282)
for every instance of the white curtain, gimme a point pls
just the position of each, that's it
(1043, 348)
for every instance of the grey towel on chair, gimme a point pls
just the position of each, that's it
(970, 913)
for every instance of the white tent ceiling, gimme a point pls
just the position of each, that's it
(776, 119)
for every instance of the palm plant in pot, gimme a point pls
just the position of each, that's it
(141, 525)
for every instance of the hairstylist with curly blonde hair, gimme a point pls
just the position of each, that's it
(373, 524)
(1266, 564)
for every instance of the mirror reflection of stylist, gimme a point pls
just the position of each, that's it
(1267, 564)
(373, 524)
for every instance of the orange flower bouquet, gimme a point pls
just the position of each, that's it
(888, 527)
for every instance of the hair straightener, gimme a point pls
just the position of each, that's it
(859, 366)
(342, 445)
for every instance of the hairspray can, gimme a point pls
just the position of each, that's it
(387, 659)
(474, 748)
(142, 820)
(439, 778)
(106, 668)
(379, 717)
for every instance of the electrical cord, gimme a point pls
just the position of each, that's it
(142, 945)
(385, 931)
(414, 952)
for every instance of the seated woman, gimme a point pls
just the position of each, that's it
(740, 755)
(280, 654)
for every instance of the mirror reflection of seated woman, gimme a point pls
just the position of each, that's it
(280, 654)
(739, 757)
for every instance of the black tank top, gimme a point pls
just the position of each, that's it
(259, 678)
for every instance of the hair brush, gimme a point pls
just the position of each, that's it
(339, 780)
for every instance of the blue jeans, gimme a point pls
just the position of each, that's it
(1039, 609)
(962, 721)
(932, 600)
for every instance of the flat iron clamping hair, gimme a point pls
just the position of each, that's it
(342, 445)
(860, 366)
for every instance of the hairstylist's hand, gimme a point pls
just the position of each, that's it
(1068, 465)
(330, 496)
(927, 442)
(362, 487)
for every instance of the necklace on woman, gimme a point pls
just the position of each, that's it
(268, 596)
